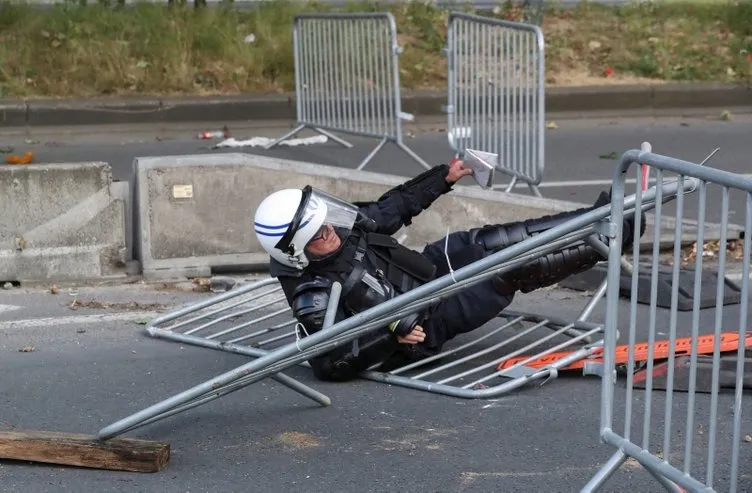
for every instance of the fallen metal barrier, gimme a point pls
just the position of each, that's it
(682, 428)
(275, 349)
(347, 79)
(496, 94)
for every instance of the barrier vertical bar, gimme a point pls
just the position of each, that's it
(743, 321)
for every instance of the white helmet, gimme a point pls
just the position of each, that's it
(287, 220)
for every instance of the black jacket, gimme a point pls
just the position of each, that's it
(393, 210)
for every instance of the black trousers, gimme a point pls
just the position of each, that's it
(468, 309)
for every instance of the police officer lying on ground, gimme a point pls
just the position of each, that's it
(315, 239)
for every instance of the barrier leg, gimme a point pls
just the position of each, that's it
(412, 154)
(330, 135)
(399, 144)
(200, 394)
(614, 463)
(534, 188)
(597, 296)
(604, 474)
(373, 153)
(302, 389)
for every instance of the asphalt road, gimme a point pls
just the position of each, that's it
(86, 372)
(581, 155)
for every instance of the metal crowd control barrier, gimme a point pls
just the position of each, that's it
(271, 359)
(496, 94)
(347, 79)
(681, 435)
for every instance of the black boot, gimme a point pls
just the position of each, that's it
(551, 269)
(556, 266)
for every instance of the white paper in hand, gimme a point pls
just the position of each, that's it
(483, 165)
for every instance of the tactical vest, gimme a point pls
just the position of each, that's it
(379, 270)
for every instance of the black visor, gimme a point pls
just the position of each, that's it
(285, 243)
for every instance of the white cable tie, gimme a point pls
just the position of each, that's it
(446, 255)
(297, 335)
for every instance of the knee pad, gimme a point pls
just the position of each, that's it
(499, 236)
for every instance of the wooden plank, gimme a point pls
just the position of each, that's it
(74, 449)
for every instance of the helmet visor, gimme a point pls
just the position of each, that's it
(317, 209)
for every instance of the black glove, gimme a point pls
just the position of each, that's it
(405, 325)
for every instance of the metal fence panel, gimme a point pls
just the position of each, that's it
(687, 427)
(496, 93)
(347, 79)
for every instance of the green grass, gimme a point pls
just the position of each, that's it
(100, 50)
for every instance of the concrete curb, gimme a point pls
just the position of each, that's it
(36, 113)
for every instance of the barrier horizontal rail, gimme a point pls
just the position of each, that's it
(496, 93)
(347, 79)
(682, 428)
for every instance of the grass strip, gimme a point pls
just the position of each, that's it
(71, 50)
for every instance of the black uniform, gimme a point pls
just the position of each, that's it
(373, 267)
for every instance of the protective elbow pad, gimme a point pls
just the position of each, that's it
(309, 303)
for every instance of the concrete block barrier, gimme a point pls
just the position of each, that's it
(62, 221)
(194, 213)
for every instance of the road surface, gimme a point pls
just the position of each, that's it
(580, 154)
(92, 365)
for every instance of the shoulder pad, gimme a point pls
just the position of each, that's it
(310, 301)
(318, 283)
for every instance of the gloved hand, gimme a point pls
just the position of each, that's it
(414, 337)
(405, 325)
